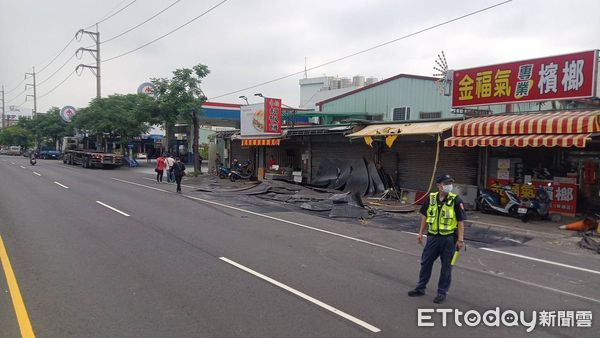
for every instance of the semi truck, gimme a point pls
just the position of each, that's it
(73, 153)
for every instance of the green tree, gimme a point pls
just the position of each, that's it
(117, 116)
(15, 136)
(180, 99)
(48, 127)
(52, 127)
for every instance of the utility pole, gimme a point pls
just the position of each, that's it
(34, 91)
(3, 116)
(95, 54)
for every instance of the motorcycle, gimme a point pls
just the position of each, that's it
(508, 203)
(223, 172)
(538, 207)
(238, 175)
(240, 171)
(32, 160)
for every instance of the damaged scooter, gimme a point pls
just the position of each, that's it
(508, 203)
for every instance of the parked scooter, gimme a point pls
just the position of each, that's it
(223, 172)
(491, 202)
(243, 168)
(240, 171)
(538, 207)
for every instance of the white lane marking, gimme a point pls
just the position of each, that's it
(413, 233)
(298, 224)
(12, 162)
(544, 287)
(183, 185)
(36, 173)
(527, 257)
(539, 233)
(542, 261)
(22, 167)
(141, 185)
(62, 185)
(274, 218)
(354, 239)
(113, 209)
(304, 296)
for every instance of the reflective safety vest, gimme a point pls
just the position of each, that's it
(442, 222)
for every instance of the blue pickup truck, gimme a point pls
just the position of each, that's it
(49, 153)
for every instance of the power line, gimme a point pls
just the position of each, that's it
(17, 96)
(169, 33)
(143, 22)
(58, 85)
(110, 16)
(365, 50)
(57, 55)
(113, 9)
(15, 88)
(56, 71)
(71, 41)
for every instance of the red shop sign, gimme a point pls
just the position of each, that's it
(272, 115)
(559, 77)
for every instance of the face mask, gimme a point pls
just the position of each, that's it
(447, 188)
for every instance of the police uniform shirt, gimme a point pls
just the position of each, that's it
(459, 207)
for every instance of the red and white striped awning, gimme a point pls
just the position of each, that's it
(261, 142)
(556, 129)
(566, 140)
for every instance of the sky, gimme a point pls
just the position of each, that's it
(247, 42)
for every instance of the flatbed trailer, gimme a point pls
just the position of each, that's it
(92, 159)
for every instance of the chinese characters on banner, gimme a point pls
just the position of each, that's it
(550, 78)
(272, 115)
(563, 196)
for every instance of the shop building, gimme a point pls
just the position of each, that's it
(402, 97)
(559, 151)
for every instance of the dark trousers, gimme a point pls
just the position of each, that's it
(178, 180)
(442, 247)
(159, 175)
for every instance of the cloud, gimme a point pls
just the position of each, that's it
(248, 42)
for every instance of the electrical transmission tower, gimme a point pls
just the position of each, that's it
(95, 54)
(32, 75)
(3, 116)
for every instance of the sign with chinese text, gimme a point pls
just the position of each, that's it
(272, 115)
(559, 77)
(563, 196)
(67, 113)
(146, 88)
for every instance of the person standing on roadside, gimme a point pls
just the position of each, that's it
(160, 168)
(169, 162)
(443, 215)
(179, 172)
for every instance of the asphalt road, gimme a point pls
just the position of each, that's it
(110, 253)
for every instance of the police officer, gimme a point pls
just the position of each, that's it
(443, 215)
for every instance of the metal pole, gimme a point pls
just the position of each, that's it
(3, 116)
(34, 94)
(98, 82)
(96, 54)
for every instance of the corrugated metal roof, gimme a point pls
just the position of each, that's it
(404, 129)
(319, 130)
(408, 76)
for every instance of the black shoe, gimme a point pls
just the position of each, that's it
(416, 293)
(439, 299)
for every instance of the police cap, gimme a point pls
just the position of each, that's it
(445, 178)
